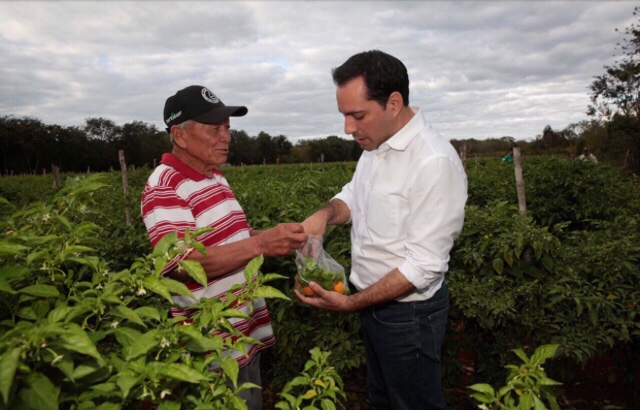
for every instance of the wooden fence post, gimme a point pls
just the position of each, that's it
(56, 176)
(125, 186)
(517, 163)
(463, 155)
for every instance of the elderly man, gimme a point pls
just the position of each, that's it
(406, 205)
(188, 190)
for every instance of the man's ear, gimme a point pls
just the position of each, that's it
(395, 102)
(178, 134)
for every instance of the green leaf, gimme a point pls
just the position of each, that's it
(77, 249)
(156, 286)
(126, 336)
(64, 221)
(66, 364)
(543, 353)
(169, 405)
(538, 404)
(272, 276)
(148, 311)
(5, 286)
(8, 365)
(182, 372)
(59, 314)
(104, 387)
(166, 242)
(521, 354)
(109, 406)
(9, 249)
(159, 264)
(39, 392)
(85, 369)
(327, 404)
(77, 340)
(234, 313)
(498, 265)
(42, 291)
(28, 314)
(195, 270)
(41, 307)
(127, 313)
(13, 272)
(578, 305)
(545, 381)
(269, 292)
(143, 345)
(482, 397)
(526, 401)
(125, 382)
(39, 255)
(231, 368)
(190, 331)
(253, 267)
(483, 388)
(177, 287)
(300, 381)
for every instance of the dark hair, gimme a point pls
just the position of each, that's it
(383, 74)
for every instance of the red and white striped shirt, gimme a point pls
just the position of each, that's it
(177, 197)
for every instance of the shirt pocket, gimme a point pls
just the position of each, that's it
(383, 216)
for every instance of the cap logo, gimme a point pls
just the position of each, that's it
(209, 96)
(173, 116)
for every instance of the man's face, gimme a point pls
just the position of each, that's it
(207, 144)
(365, 120)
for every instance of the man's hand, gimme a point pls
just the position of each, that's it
(282, 240)
(327, 299)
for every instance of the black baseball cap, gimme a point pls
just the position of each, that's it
(199, 104)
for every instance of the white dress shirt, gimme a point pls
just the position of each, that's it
(406, 201)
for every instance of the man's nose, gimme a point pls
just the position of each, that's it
(349, 126)
(225, 135)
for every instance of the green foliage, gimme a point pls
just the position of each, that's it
(318, 387)
(528, 386)
(568, 273)
(74, 334)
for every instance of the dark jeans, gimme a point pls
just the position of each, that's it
(403, 345)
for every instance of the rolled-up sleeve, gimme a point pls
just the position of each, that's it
(436, 216)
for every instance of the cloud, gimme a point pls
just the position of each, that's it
(478, 69)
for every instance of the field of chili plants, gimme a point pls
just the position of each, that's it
(84, 310)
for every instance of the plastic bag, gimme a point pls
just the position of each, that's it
(315, 264)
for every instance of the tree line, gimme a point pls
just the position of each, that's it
(27, 145)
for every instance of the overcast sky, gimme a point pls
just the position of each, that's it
(478, 69)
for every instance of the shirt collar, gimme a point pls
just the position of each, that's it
(401, 139)
(175, 162)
